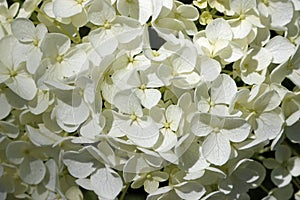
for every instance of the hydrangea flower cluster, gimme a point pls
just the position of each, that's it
(186, 101)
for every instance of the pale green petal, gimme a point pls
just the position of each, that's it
(32, 171)
(281, 177)
(270, 163)
(9, 129)
(190, 190)
(282, 153)
(17, 151)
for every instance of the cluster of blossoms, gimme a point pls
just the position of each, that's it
(187, 101)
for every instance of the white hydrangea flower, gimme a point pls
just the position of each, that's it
(214, 43)
(289, 69)
(114, 30)
(215, 96)
(169, 121)
(137, 9)
(247, 18)
(179, 189)
(29, 159)
(60, 61)
(219, 132)
(280, 12)
(150, 181)
(31, 36)
(260, 108)
(13, 71)
(6, 17)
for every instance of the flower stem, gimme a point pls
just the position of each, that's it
(264, 189)
(124, 191)
(296, 182)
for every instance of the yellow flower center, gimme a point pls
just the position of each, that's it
(133, 117)
(35, 43)
(59, 58)
(143, 87)
(13, 73)
(167, 125)
(107, 25)
(155, 53)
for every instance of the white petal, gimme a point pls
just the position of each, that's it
(294, 166)
(23, 29)
(209, 68)
(236, 129)
(149, 97)
(40, 103)
(241, 28)
(216, 148)
(281, 13)
(200, 124)
(213, 32)
(23, 85)
(281, 49)
(188, 11)
(269, 125)
(80, 164)
(66, 8)
(42, 136)
(173, 115)
(106, 183)
(169, 141)
(223, 89)
(144, 134)
(103, 43)
(34, 60)
(267, 102)
(145, 11)
(71, 115)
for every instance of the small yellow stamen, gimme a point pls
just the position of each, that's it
(133, 117)
(155, 53)
(167, 125)
(149, 176)
(131, 60)
(143, 87)
(13, 73)
(35, 43)
(216, 130)
(242, 17)
(59, 58)
(107, 25)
